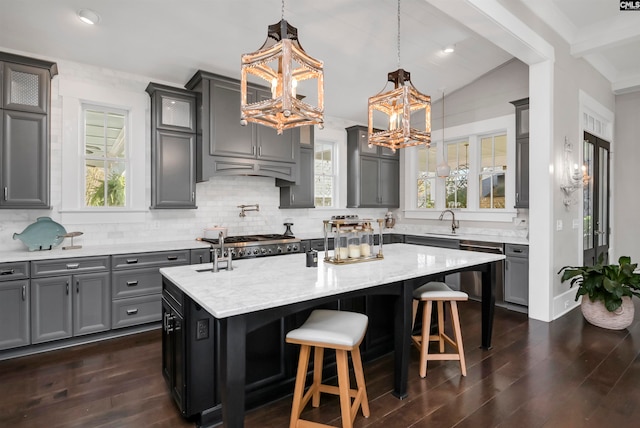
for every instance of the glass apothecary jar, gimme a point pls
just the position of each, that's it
(353, 240)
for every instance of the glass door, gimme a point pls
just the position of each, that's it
(596, 228)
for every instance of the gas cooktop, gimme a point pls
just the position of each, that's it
(256, 245)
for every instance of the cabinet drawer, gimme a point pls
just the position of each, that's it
(514, 250)
(136, 282)
(136, 310)
(160, 259)
(41, 268)
(11, 271)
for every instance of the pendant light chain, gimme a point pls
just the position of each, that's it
(282, 9)
(398, 33)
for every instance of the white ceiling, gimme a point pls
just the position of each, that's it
(168, 40)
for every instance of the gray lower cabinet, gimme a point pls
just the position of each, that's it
(516, 278)
(373, 173)
(225, 147)
(14, 313)
(137, 286)
(65, 303)
(173, 147)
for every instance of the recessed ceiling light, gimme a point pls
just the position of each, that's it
(449, 49)
(88, 16)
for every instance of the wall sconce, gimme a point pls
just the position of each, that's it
(573, 177)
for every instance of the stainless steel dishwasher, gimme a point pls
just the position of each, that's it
(471, 282)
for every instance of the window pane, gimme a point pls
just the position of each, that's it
(105, 157)
(493, 163)
(456, 183)
(116, 184)
(426, 193)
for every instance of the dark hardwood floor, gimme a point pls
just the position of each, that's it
(561, 374)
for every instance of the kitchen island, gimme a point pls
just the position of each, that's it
(258, 291)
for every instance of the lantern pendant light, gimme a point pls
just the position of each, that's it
(283, 64)
(443, 170)
(402, 108)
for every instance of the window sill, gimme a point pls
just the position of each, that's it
(493, 216)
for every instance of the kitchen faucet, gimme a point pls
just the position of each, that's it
(220, 257)
(245, 208)
(454, 224)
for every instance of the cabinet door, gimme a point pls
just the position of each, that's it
(369, 181)
(228, 137)
(389, 183)
(91, 303)
(272, 146)
(26, 88)
(14, 312)
(25, 160)
(50, 308)
(516, 287)
(300, 195)
(173, 363)
(176, 112)
(174, 175)
(522, 173)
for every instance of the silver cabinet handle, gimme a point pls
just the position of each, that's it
(172, 257)
(73, 265)
(132, 283)
(253, 150)
(6, 193)
(24, 293)
(67, 287)
(77, 286)
(293, 197)
(260, 151)
(132, 261)
(132, 311)
(193, 196)
(8, 272)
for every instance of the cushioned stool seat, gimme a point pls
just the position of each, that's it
(342, 331)
(438, 292)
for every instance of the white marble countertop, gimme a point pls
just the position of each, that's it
(268, 282)
(100, 250)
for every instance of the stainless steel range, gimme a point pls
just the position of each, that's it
(248, 246)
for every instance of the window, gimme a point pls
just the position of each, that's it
(105, 157)
(457, 182)
(493, 166)
(427, 161)
(324, 173)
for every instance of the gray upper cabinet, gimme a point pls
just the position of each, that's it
(301, 193)
(225, 147)
(24, 131)
(522, 152)
(173, 147)
(14, 305)
(373, 173)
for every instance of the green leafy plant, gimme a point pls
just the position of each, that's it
(606, 283)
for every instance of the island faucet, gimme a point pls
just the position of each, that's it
(454, 224)
(218, 255)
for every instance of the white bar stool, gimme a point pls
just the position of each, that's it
(438, 292)
(342, 331)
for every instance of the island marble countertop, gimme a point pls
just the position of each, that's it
(100, 250)
(268, 282)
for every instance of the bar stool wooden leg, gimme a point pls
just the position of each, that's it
(426, 331)
(361, 397)
(458, 336)
(344, 387)
(317, 375)
(441, 325)
(297, 406)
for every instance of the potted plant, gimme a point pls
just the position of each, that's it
(607, 291)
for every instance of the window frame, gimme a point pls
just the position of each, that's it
(127, 153)
(472, 132)
(73, 93)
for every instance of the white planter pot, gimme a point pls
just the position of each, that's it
(597, 314)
